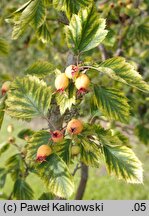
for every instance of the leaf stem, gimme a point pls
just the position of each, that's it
(87, 67)
(104, 53)
(76, 169)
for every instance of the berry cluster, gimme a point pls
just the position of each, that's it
(80, 80)
(74, 127)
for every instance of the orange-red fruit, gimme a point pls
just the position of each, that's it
(61, 82)
(75, 150)
(75, 126)
(72, 71)
(112, 5)
(82, 83)
(57, 136)
(5, 87)
(11, 140)
(43, 152)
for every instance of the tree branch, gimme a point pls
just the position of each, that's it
(83, 182)
(63, 19)
(122, 34)
(76, 169)
(104, 53)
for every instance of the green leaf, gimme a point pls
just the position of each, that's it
(40, 69)
(2, 107)
(22, 190)
(25, 133)
(15, 165)
(18, 29)
(54, 172)
(4, 47)
(142, 32)
(132, 12)
(65, 101)
(118, 69)
(33, 13)
(120, 159)
(91, 107)
(143, 133)
(38, 138)
(85, 31)
(20, 9)
(44, 33)
(3, 175)
(112, 103)
(139, 31)
(14, 162)
(47, 2)
(110, 39)
(46, 196)
(71, 6)
(90, 152)
(124, 139)
(4, 148)
(63, 150)
(29, 98)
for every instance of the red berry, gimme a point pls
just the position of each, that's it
(43, 152)
(82, 83)
(5, 87)
(72, 71)
(57, 136)
(75, 126)
(61, 82)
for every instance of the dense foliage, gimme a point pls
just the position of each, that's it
(107, 44)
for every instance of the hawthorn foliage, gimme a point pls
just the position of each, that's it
(32, 94)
